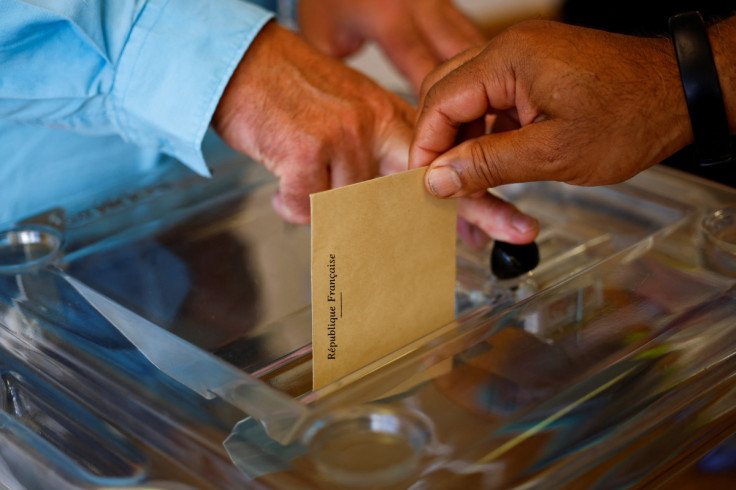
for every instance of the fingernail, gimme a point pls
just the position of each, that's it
(523, 223)
(444, 181)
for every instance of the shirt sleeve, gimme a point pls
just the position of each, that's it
(151, 71)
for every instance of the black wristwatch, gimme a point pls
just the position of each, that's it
(702, 89)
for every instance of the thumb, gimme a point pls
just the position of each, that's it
(488, 161)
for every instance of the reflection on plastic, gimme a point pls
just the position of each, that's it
(719, 232)
(28, 247)
(198, 370)
(367, 446)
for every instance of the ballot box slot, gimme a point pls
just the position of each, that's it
(232, 279)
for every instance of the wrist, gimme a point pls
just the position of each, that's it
(241, 92)
(667, 107)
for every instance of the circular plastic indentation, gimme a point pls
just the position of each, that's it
(719, 233)
(367, 446)
(28, 247)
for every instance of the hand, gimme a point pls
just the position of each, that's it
(416, 35)
(313, 122)
(571, 104)
(316, 124)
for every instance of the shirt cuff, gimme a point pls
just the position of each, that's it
(174, 68)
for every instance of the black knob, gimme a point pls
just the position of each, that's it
(509, 260)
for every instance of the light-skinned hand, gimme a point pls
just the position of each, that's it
(313, 122)
(415, 35)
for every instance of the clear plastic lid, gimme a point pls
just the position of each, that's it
(166, 342)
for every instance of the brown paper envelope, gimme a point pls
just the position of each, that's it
(383, 270)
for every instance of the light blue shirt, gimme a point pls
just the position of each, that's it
(96, 95)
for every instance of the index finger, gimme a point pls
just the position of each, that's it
(454, 100)
(444, 69)
(480, 86)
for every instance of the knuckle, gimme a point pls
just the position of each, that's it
(312, 153)
(433, 95)
(427, 84)
(526, 28)
(523, 37)
(352, 120)
(484, 171)
(353, 136)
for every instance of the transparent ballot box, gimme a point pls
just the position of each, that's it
(162, 340)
